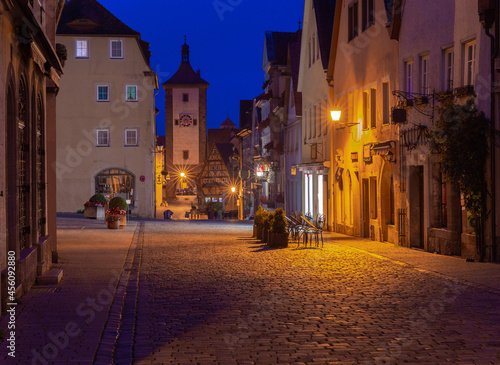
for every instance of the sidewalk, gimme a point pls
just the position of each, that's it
(63, 324)
(481, 275)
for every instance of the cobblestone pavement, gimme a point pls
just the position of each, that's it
(208, 294)
(203, 292)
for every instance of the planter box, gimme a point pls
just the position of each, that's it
(123, 220)
(278, 240)
(258, 232)
(264, 235)
(94, 212)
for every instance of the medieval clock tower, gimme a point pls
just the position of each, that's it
(186, 125)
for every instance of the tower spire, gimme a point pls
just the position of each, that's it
(185, 51)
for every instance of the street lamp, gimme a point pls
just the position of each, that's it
(233, 189)
(335, 115)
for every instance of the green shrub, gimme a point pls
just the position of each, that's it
(279, 222)
(259, 217)
(268, 220)
(118, 202)
(98, 198)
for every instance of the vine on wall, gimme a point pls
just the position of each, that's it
(460, 141)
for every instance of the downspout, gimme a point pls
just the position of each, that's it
(494, 55)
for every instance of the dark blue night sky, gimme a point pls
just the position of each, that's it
(226, 39)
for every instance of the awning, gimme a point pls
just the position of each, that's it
(317, 166)
(383, 148)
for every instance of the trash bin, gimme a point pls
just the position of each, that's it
(167, 214)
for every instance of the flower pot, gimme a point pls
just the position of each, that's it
(114, 224)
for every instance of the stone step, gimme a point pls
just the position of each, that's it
(50, 277)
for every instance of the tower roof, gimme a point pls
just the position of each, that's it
(185, 75)
(228, 124)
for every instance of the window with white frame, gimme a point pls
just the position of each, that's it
(131, 137)
(115, 48)
(82, 48)
(469, 63)
(102, 137)
(102, 93)
(449, 59)
(409, 78)
(131, 93)
(424, 75)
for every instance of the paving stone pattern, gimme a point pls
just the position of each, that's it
(203, 292)
(210, 295)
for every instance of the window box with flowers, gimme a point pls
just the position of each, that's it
(95, 207)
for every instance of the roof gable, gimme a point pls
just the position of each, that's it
(90, 17)
(325, 13)
(276, 45)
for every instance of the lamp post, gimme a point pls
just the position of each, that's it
(335, 114)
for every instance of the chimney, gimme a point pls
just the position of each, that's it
(198, 72)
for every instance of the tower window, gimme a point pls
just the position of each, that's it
(195, 121)
(177, 122)
(185, 97)
(185, 154)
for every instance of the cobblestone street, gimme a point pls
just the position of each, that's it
(209, 294)
(204, 292)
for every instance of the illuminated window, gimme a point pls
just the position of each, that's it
(82, 48)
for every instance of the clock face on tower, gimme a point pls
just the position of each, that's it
(185, 120)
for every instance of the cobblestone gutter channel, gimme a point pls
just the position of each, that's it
(117, 338)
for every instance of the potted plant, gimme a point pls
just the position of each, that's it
(279, 232)
(258, 223)
(118, 205)
(94, 208)
(267, 226)
(113, 220)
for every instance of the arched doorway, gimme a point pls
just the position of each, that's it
(116, 182)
